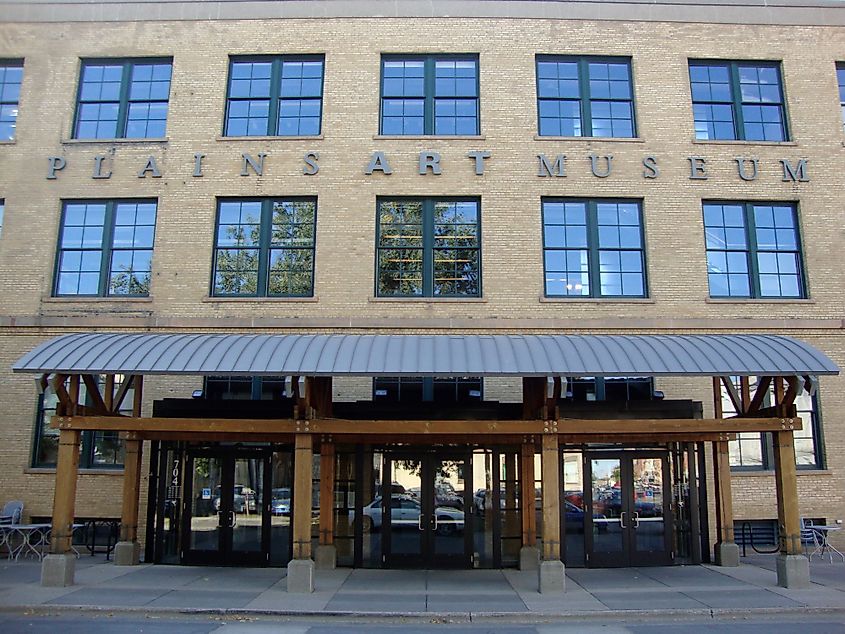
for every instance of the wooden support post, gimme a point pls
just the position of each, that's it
(727, 553)
(327, 456)
(302, 462)
(534, 398)
(64, 497)
(127, 550)
(108, 392)
(551, 498)
(318, 397)
(526, 487)
(789, 525)
(138, 395)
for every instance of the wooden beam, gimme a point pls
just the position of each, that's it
(137, 395)
(789, 526)
(745, 393)
(64, 496)
(318, 397)
(534, 398)
(73, 395)
(730, 389)
(760, 394)
(792, 392)
(643, 438)
(724, 505)
(335, 426)
(131, 490)
(93, 388)
(122, 391)
(551, 498)
(327, 455)
(108, 392)
(526, 487)
(303, 452)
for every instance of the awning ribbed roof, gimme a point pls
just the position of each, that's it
(426, 355)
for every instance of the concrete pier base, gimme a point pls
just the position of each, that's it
(793, 571)
(551, 577)
(529, 558)
(301, 576)
(325, 557)
(727, 554)
(127, 554)
(57, 570)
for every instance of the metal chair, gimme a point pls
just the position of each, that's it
(809, 536)
(11, 513)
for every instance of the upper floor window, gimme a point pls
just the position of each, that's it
(429, 94)
(275, 96)
(585, 96)
(265, 247)
(428, 248)
(105, 248)
(738, 100)
(415, 389)
(11, 76)
(840, 78)
(610, 388)
(123, 99)
(753, 250)
(244, 388)
(2, 211)
(593, 248)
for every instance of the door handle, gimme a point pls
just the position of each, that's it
(220, 519)
(636, 519)
(233, 519)
(420, 522)
(622, 520)
(434, 521)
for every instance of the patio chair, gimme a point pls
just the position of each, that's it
(809, 536)
(11, 513)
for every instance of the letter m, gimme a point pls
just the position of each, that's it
(551, 169)
(797, 173)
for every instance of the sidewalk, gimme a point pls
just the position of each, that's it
(677, 590)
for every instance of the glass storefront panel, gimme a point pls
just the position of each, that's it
(574, 509)
(510, 520)
(206, 521)
(370, 487)
(608, 525)
(482, 500)
(247, 504)
(648, 522)
(281, 482)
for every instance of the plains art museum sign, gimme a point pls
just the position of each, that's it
(430, 164)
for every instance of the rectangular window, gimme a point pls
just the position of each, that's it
(738, 100)
(416, 389)
(593, 248)
(123, 99)
(753, 450)
(621, 388)
(244, 388)
(585, 96)
(97, 449)
(11, 76)
(265, 247)
(106, 248)
(840, 79)
(428, 94)
(2, 212)
(428, 248)
(753, 250)
(275, 96)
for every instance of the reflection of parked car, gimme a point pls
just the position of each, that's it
(405, 512)
(243, 500)
(281, 502)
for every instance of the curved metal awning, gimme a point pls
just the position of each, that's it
(426, 355)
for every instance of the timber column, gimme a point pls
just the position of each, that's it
(301, 567)
(127, 551)
(58, 566)
(551, 577)
(725, 550)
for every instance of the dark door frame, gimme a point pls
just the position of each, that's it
(225, 555)
(629, 556)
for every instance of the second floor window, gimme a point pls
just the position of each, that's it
(11, 76)
(429, 95)
(265, 248)
(106, 248)
(585, 96)
(428, 248)
(278, 96)
(737, 100)
(840, 79)
(123, 99)
(753, 250)
(593, 248)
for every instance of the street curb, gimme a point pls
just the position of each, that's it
(467, 617)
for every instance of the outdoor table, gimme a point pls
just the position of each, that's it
(824, 543)
(33, 538)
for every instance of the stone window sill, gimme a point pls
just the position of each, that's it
(82, 299)
(758, 300)
(82, 471)
(237, 300)
(156, 141)
(429, 300)
(308, 137)
(590, 139)
(744, 142)
(429, 137)
(596, 300)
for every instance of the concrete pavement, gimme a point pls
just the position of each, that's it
(476, 594)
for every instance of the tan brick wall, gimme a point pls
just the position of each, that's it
(510, 195)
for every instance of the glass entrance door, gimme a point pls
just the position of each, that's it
(227, 508)
(628, 513)
(425, 505)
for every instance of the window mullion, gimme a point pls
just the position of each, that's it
(751, 235)
(264, 234)
(736, 93)
(106, 250)
(123, 108)
(275, 96)
(584, 94)
(594, 275)
(430, 83)
(428, 248)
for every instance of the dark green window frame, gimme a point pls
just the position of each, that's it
(414, 389)
(124, 99)
(430, 97)
(11, 78)
(706, 97)
(744, 264)
(425, 245)
(113, 278)
(593, 108)
(840, 80)
(253, 254)
(277, 96)
(600, 251)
